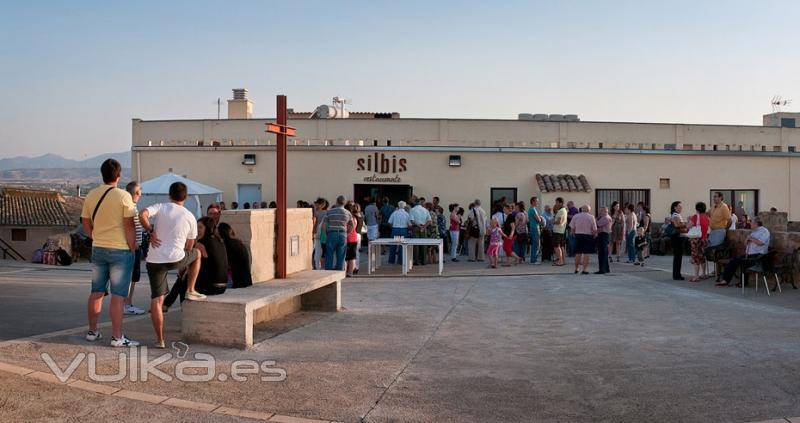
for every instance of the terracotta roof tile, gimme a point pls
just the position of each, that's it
(567, 183)
(23, 207)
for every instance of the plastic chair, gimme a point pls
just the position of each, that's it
(762, 268)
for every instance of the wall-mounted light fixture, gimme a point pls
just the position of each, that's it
(249, 160)
(455, 161)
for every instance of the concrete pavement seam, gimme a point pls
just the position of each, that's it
(416, 353)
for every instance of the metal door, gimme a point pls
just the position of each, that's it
(248, 193)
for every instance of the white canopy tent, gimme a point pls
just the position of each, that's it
(156, 190)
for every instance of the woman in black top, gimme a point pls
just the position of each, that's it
(359, 215)
(677, 240)
(238, 257)
(209, 266)
(213, 276)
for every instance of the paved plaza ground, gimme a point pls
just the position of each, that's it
(519, 344)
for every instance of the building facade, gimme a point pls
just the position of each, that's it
(460, 160)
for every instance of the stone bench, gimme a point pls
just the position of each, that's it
(228, 319)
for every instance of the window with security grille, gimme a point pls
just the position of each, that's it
(604, 197)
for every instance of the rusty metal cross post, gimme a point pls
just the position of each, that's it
(282, 131)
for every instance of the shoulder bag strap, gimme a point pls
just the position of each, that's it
(97, 207)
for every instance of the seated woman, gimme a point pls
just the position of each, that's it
(238, 257)
(213, 276)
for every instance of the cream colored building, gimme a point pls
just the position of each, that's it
(460, 160)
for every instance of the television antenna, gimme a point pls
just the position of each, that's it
(777, 102)
(340, 102)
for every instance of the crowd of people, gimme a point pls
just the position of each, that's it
(168, 237)
(209, 259)
(512, 234)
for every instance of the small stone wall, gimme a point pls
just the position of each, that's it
(793, 226)
(783, 242)
(257, 229)
(775, 221)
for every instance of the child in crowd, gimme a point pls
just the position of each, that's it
(495, 242)
(641, 244)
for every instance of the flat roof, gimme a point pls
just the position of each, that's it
(477, 120)
(468, 149)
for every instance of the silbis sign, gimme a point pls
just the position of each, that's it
(382, 165)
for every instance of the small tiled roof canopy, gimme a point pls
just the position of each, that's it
(555, 183)
(23, 207)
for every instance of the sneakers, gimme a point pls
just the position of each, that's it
(194, 295)
(160, 344)
(93, 335)
(131, 309)
(123, 342)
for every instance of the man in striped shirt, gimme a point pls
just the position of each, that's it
(135, 191)
(337, 223)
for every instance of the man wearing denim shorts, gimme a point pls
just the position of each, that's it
(173, 230)
(107, 218)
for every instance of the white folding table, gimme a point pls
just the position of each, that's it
(408, 250)
(407, 245)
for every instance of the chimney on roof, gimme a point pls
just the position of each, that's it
(240, 107)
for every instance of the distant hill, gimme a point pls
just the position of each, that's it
(54, 161)
(55, 174)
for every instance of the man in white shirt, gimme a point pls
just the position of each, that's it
(420, 219)
(757, 244)
(172, 237)
(399, 220)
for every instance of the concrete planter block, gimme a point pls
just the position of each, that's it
(257, 229)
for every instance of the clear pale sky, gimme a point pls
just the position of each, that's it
(73, 74)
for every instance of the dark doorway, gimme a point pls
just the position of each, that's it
(394, 192)
(510, 195)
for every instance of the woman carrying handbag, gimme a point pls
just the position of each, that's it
(698, 238)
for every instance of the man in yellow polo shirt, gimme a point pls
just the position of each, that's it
(107, 218)
(720, 220)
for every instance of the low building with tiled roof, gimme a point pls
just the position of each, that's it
(562, 183)
(28, 218)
